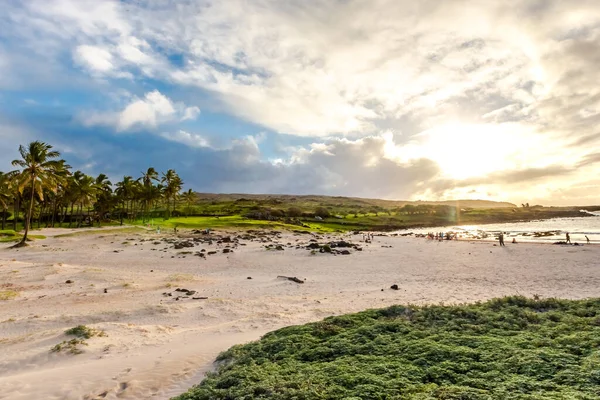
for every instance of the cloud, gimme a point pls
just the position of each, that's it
(190, 113)
(154, 107)
(186, 138)
(454, 97)
(295, 69)
(94, 58)
(150, 111)
(590, 159)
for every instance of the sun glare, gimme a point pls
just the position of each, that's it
(463, 151)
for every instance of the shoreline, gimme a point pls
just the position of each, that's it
(156, 345)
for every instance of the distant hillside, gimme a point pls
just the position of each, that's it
(345, 201)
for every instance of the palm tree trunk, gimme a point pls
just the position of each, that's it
(71, 219)
(28, 217)
(121, 213)
(15, 210)
(53, 211)
(64, 215)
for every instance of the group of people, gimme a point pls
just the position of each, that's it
(441, 236)
(568, 238)
(368, 237)
(501, 239)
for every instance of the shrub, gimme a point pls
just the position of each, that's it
(322, 212)
(294, 212)
(85, 332)
(513, 347)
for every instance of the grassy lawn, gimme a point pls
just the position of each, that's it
(509, 348)
(8, 236)
(234, 221)
(104, 231)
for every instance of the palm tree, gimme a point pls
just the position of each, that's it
(40, 168)
(189, 197)
(104, 197)
(146, 191)
(86, 194)
(5, 196)
(125, 192)
(173, 184)
(72, 192)
(149, 176)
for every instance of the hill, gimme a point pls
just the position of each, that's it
(346, 201)
(337, 213)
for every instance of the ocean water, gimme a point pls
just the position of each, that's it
(549, 230)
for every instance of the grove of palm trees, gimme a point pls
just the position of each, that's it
(43, 191)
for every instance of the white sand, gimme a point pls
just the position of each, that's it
(157, 347)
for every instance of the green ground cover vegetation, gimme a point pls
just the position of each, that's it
(508, 348)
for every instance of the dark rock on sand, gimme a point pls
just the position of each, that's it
(291, 278)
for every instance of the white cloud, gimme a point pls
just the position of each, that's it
(95, 58)
(150, 111)
(190, 113)
(187, 138)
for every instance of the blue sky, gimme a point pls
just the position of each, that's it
(393, 99)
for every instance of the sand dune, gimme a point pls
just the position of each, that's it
(156, 345)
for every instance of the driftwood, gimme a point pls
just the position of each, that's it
(291, 278)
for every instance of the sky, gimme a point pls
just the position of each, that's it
(398, 99)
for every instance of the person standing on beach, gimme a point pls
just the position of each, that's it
(568, 238)
(501, 238)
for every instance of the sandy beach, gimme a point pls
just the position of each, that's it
(159, 341)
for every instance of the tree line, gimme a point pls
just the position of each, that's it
(43, 187)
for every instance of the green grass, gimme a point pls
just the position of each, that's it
(509, 348)
(83, 331)
(8, 294)
(104, 231)
(70, 346)
(233, 221)
(8, 235)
